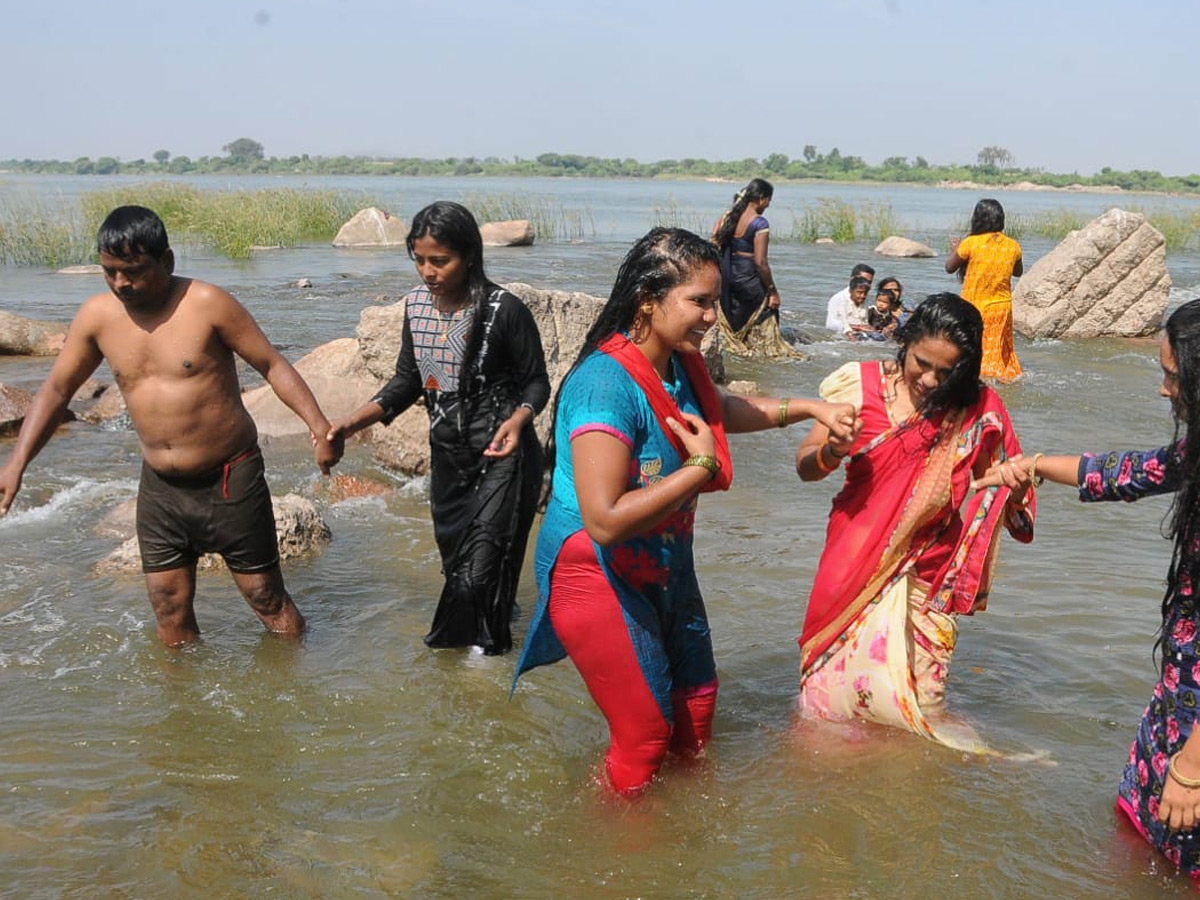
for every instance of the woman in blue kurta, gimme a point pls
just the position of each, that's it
(1160, 786)
(641, 432)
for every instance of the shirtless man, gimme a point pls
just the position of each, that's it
(170, 342)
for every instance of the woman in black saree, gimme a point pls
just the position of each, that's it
(473, 351)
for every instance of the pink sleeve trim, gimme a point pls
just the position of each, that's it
(606, 429)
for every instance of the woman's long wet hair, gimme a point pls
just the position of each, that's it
(662, 259)
(987, 217)
(1183, 468)
(951, 318)
(453, 225)
(757, 189)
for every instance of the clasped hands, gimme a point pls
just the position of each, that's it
(844, 424)
(1015, 473)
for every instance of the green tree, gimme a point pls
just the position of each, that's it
(106, 165)
(244, 148)
(810, 153)
(995, 158)
(161, 156)
(776, 163)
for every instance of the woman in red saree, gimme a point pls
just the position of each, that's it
(906, 550)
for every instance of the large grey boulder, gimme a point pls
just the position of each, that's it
(298, 524)
(20, 336)
(372, 227)
(1109, 278)
(511, 233)
(904, 247)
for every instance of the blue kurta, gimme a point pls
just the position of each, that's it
(653, 574)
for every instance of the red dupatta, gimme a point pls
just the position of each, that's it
(633, 361)
(903, 490)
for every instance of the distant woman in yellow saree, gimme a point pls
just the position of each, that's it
(906, 550)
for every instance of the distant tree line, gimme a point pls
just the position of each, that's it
(993, 166)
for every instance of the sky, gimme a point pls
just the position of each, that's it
(1063, 86)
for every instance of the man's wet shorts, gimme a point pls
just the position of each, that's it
(227, 511)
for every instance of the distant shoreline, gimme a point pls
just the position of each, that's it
(948, 185)
(996, 172)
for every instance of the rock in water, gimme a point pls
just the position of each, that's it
(372, 227)
(904, 247)
(1108, 279)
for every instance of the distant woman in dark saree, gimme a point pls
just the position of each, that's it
(748, 291)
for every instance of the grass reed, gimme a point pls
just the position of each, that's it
(230, 222)
(844, 223)
(550, 219)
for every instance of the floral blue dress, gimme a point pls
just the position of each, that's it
(1171, 713)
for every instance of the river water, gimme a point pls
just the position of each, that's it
(360, 764)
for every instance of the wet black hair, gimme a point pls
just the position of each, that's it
(987, 217)
(891, 279)
(862, 269)
(757, 189)
(951, 318)
(1183, 522)
(128, 231)
(857, 282)
(659, 261)
(453, 225)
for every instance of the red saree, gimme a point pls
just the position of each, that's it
(898, 515)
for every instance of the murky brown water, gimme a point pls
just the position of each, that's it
(360, 764)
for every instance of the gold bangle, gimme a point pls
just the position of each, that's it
(781, 419)
(1189, 783)
(704, 461)
(1034, 479)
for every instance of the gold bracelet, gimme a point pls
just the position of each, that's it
(781, 419)
(704, 461)
(1189, 783)
(1034, 479)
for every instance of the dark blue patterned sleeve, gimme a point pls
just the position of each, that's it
(1125, 475)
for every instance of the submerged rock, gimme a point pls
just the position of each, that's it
(372, 227)
(904, 247)
(1109, 278)
(14, 403)
(511, 233)
(20, 336)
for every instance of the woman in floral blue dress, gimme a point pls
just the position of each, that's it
(1160, 786)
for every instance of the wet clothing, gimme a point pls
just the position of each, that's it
(987, 283)
(901, 562)
(1170, 715)
(742, 290)
(630, 615)
(482, 508)
(227, 511)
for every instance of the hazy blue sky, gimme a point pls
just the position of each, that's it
(1064, 86)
